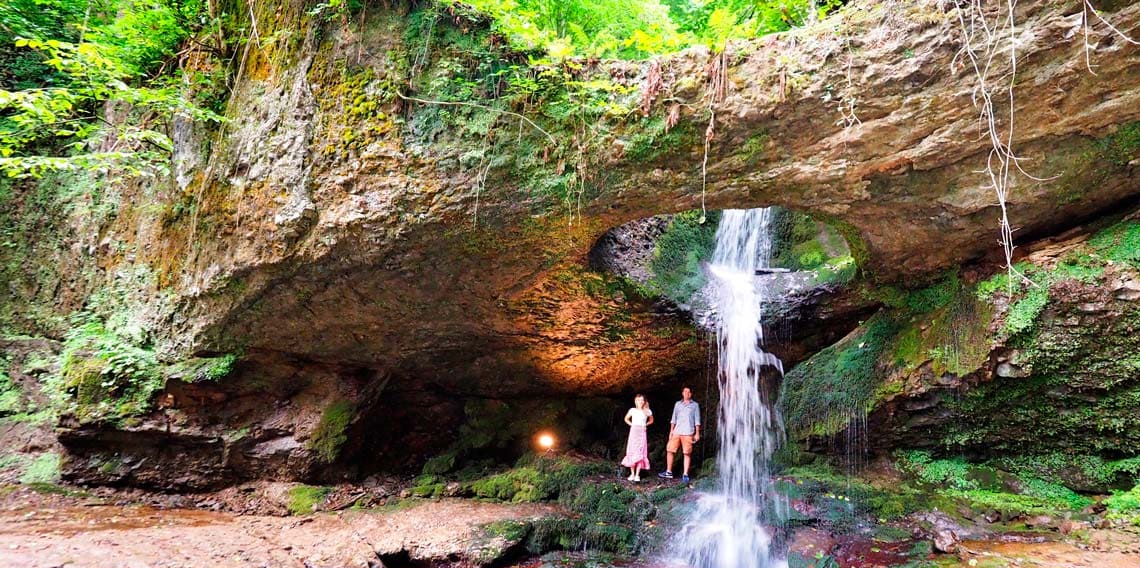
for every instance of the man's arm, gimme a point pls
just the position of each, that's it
(697, 422)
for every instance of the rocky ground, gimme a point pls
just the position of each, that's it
(42, 529)
(42, 526)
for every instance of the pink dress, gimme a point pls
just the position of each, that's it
(637, 448)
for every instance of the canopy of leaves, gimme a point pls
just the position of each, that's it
(61, 61)
(640, 28)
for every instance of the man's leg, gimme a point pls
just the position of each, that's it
(671, 448)
(687, 450)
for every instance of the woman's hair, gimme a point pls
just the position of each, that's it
(643, 399)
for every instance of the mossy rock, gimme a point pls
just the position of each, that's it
(332, 431)
(305, 499)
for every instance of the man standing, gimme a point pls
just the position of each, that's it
(684, 430)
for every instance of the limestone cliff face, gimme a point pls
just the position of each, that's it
(991, 368)
(338, 230)
(335, 228)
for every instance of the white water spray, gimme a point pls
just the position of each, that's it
(728, 529)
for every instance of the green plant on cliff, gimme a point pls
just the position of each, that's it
(332, 431)
(821, 395)
(680, 252)
(103, 375)
(951, 473)
(1085, 470)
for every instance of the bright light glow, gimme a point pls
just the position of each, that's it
(546, 441)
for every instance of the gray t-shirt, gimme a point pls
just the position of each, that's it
(686, 418)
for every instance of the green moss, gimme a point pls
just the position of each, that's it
(511, 530)
(440, 465)
(430, 486)
(1119, 243)
(651, 142)
(517, 485)
(820, 395)
(1082, 470)
(332, 431)
(754, 147)
(842, 500)
(920, 300)
(303, 499)
(220, 367)
(11, 399)
(1123, 146)
(536, 478)
(685, 244)
(43, 469)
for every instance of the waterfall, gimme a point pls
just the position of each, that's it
(728, 529)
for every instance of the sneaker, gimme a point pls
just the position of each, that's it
(637, 479)
(631, 478)
(665, 475)
(684, 479)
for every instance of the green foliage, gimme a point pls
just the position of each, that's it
(820, 395)
(716, 21)
(219, 368)
(11, 399)
(639, 28)
(676, 264)
(951, 473)
(70, 59)
(1119, 243)
(44, 469)
(1023, 313)
(332, 431)
(1066, 468)
(1124, 506)
(303, 499)
(1055, 494)
(103, 375)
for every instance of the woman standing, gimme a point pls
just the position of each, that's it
(637, 448)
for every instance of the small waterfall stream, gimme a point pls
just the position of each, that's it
(727, 529)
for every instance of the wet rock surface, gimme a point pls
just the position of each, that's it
(38, 531)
